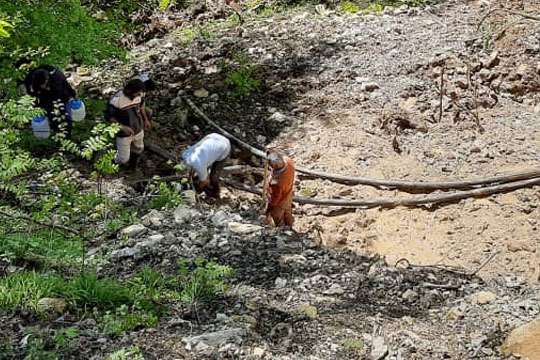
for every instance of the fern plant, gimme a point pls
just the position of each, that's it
(5, 27)
(15, 115)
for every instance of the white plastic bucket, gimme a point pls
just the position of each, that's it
(40, 127)
(77, 110)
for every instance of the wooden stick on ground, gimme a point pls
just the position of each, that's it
(414, 201)
(379, 183)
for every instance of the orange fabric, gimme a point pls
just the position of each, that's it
(279, 216)
(281, 193)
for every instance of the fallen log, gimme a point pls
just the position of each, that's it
(415, 186)
(415, 201)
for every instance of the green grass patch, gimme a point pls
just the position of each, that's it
(186, 35)
(202, 281)
(25, 289)
(353, 346)
(46, 248)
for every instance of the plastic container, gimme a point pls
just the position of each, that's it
(40, 127)
(77, 110)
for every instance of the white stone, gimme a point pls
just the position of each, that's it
(133, 230)
(483, 297)
(239, 228)
(201, 93)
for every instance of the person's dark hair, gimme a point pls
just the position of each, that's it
(149, 85)
(132, 87)
(39, 78)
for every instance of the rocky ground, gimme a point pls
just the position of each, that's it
(355, 95)
(292, 299)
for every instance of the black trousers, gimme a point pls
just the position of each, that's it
(214, 188)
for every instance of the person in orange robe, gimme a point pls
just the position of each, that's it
(280, 190)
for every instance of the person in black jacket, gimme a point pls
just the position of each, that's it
(127, 108)
(49, 86)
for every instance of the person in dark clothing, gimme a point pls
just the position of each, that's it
(49, 86)
(127, 108)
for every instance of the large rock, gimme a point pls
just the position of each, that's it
(153, 218)
(379, 349)
(183, 215)
(483, 297)
(51, 305)
(133, 230)
(244, 229)
(524, 341)
(201, 93)
(125, 253)
(220, 218)
(215, 339)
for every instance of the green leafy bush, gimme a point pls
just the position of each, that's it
(127, 319)
(5, 27)
(164, 196)
(131, 353)
(58, 32)
(242, 79)
(349, 7)
(202, 282)
(15, 115)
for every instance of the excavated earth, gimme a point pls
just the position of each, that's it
(354, 95)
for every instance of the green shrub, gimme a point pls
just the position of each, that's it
(132, 353)
(349, 7)
(164, 196)
(58, 32)
(242, 79)
(203, 282)
(125, 319)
